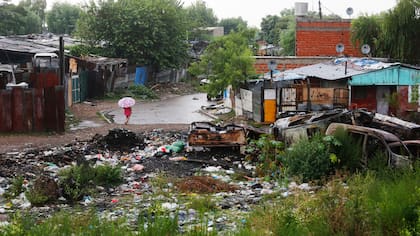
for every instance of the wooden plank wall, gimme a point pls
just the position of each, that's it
(32, 110)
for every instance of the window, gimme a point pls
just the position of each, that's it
(359, 92)
(377, 154)
(414, 94)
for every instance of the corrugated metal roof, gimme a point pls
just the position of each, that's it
(336, 69)
(104, 60)
(20, 45)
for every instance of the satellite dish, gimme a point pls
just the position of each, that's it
(339, 48)
(365, 49)
(349, 11)
(272, 65)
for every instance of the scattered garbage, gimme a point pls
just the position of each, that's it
(142, 159)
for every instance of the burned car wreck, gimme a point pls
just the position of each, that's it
(376, 143)
(304, 125)
(206, 134)
(290, 129)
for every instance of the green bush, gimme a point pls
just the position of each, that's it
(36, 198)
(16, 188)
(310, 159)
(108, 176)
(349, 152)
(370, 203)
(266, 151)
(80, 180)
(76, 181)
(142, 92)
(66, 224)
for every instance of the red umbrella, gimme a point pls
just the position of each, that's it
(126, 102)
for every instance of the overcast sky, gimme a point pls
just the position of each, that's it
(253, 11)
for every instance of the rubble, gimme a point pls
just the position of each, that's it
(143, 163)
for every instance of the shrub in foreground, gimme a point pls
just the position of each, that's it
(385, 203)
(311, 159)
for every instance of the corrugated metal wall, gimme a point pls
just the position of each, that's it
(28, 110)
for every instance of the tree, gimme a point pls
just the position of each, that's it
(233, 24)
(288, 39)
(199, 16)
(146, 32)
(270, 29)
(226, 61)
(393, 34)
(37, 7)
(366, 30)
(18, 20)
(62, 18)
(401, 34)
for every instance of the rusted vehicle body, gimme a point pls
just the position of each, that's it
(412, 145)
(403, 129)
(290, 129)
(206, 134)
(376, 143)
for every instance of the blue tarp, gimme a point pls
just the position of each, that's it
(141, 76)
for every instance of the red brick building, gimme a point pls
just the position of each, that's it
(320, 37)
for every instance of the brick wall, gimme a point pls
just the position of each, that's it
(286, 63)
(320, 37)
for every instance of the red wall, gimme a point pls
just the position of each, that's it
(286, 62)
(368, 101)
(320, 37)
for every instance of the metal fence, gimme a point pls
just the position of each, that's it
(32, 110)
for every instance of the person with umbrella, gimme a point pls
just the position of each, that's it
(126, 103)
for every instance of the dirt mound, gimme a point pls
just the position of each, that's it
(203, 184)
(120, 139)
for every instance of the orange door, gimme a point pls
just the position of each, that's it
(270, 107)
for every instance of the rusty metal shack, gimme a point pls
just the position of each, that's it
(93, 76)
(263, 100)
(386, 88)
(41, 107)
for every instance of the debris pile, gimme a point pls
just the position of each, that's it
(155, 168)
(120, 139)
(203, 184)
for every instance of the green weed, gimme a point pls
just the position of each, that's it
(78, 181)
(310, 159)
(16, 188)
(371, 203)
(349, 152)
(108, 176)
(202, 203)
(267, 153)
(36, 198)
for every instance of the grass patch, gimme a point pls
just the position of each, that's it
(139, 92)
(372, 203)
(80, 180)
(201, 203)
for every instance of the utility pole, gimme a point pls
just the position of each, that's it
(61, 61)
(320, 12)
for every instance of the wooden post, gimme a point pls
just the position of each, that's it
(5, 110)
(17, 110)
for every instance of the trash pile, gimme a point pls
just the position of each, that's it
(156, 169)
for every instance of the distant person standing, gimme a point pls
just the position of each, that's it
(126, 103)
(127, 113)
